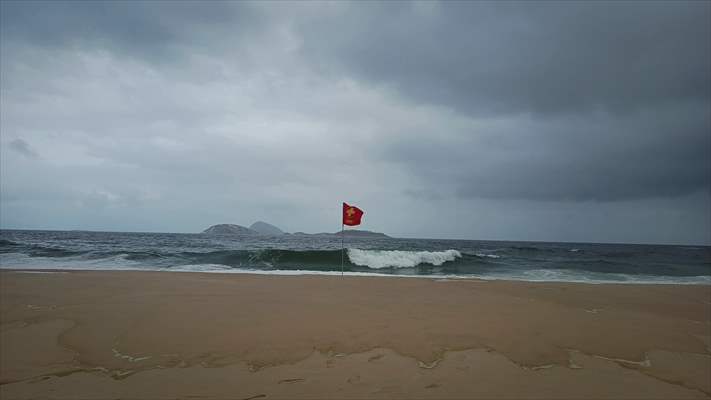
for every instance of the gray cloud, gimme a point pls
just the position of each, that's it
(150, 30)
(518, 57)
(613, 99)
(23, 148)
(660, 152)
(487, 120)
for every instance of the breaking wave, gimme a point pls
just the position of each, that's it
(320, 260)
(487, 255)
(379, 259)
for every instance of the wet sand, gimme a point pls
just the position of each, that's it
(92, 334)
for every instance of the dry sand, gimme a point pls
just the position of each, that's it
(94, 334)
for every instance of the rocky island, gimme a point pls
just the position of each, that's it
(229, 229)
(266, 229)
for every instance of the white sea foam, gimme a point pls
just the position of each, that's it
(487, 255)
(400, 259)
(39, 272)
(551, 275)
(529, 276)
(212, 268)
(23, 262)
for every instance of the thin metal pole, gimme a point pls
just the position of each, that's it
(342, 226)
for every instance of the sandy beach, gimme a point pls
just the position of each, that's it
(93, 334)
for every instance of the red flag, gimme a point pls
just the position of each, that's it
(351, 215)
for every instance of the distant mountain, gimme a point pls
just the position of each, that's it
(263, 228)
(229, 229)
(359, 233)
(266, 229)
(347, 233)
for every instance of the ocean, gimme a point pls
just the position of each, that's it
(300, 254)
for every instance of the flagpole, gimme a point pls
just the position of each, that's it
(342, 226)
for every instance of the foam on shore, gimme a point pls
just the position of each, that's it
(535, 276)
(379, 260)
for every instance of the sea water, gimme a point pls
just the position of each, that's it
(306, 254)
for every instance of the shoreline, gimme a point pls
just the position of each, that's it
(704, 280)
(242, 335)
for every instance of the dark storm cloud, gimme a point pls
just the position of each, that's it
(513, 57)
(612, 99)
(659, 152)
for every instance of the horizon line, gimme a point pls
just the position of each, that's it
(388, 237)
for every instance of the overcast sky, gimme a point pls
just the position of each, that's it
(565, 121)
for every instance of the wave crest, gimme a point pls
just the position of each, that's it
(379, 259)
